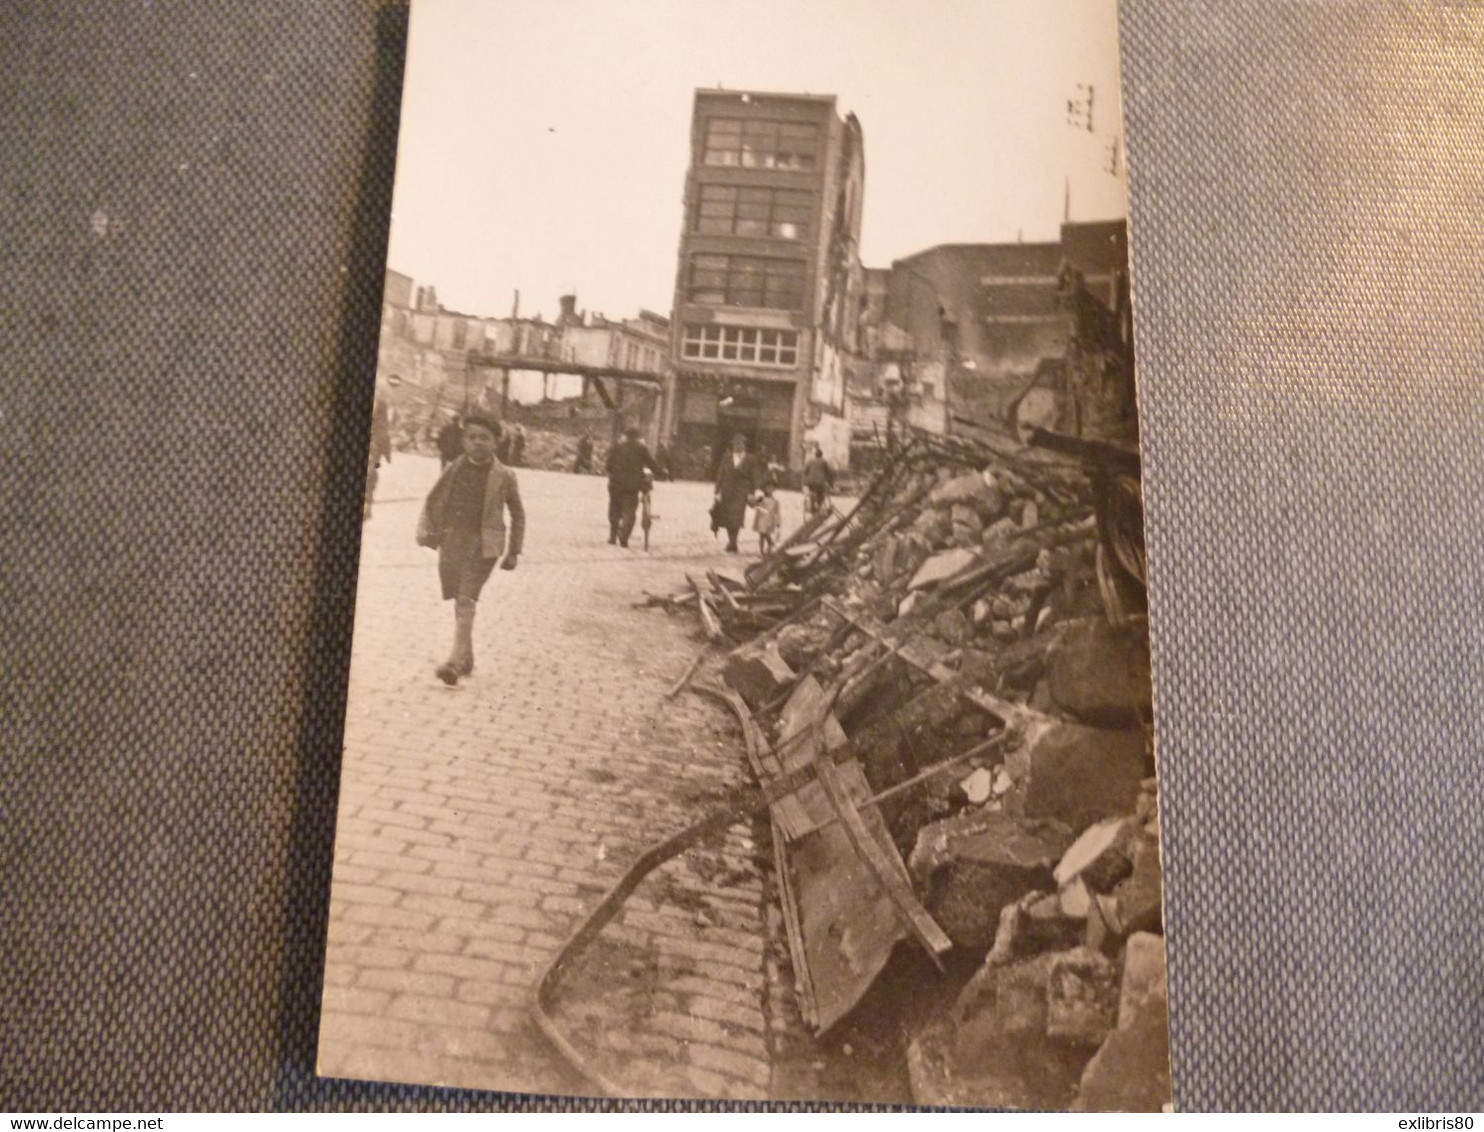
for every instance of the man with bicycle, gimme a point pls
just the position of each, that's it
(819, 478)
(628, 461)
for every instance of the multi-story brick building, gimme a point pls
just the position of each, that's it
(768, 287)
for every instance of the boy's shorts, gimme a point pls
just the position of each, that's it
(461, 570)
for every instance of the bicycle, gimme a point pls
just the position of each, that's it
(816, 501)
(646, 514)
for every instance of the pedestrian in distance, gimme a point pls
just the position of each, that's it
(583, 464)
(767, 520)
(664, 463)
(450, 442)
(464, 520)
(737, 480)
(627, 463)
(819, 478)
(381, 449)
(518, 448)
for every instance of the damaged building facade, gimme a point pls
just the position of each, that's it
(1024, 334)
(768, 287)
(782, 335)
(433, 362)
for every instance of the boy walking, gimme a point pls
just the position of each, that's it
(464, 520)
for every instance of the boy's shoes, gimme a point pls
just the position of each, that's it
(448, 674)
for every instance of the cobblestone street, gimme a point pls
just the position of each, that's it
(478, 824)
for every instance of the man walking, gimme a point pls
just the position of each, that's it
(627, 462)
(819, 477)
(737, 479)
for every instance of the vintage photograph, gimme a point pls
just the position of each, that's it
(750, 692)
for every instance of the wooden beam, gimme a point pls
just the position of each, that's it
(650, 378)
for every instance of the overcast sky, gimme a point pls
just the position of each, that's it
(544, 143)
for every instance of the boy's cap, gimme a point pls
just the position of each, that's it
(485, 422)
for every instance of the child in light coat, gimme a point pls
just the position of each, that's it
(767, 521)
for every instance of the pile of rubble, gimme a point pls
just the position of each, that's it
(557, 451)
(1069, 1007)
(955, 675)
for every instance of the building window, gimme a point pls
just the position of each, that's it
(460, 334)
(732, 210)
(746, 281)
(750, 143)
(745, 345)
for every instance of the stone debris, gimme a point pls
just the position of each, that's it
(941, 567)
(974, 864)
(1078, 774)
(1099, 675)
(1139, 899)
(1097, 857)
(1082, 997)
(978, 786)
(1144, 978)
(1131, 1070)
(980, 689)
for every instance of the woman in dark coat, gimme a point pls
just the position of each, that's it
(737, 478)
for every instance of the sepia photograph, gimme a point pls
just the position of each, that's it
(750, 688)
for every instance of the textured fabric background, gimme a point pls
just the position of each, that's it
(1308, 237)
(193, 201)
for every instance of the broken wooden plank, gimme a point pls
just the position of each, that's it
(841, 929)
(847, 927)
(719, 588)
(803, 730)
(708, 615)
(882, 859)
(728, 579)
(669, 601)
(760, 756)
(690, 671)
(847, 922)
(793, 930)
